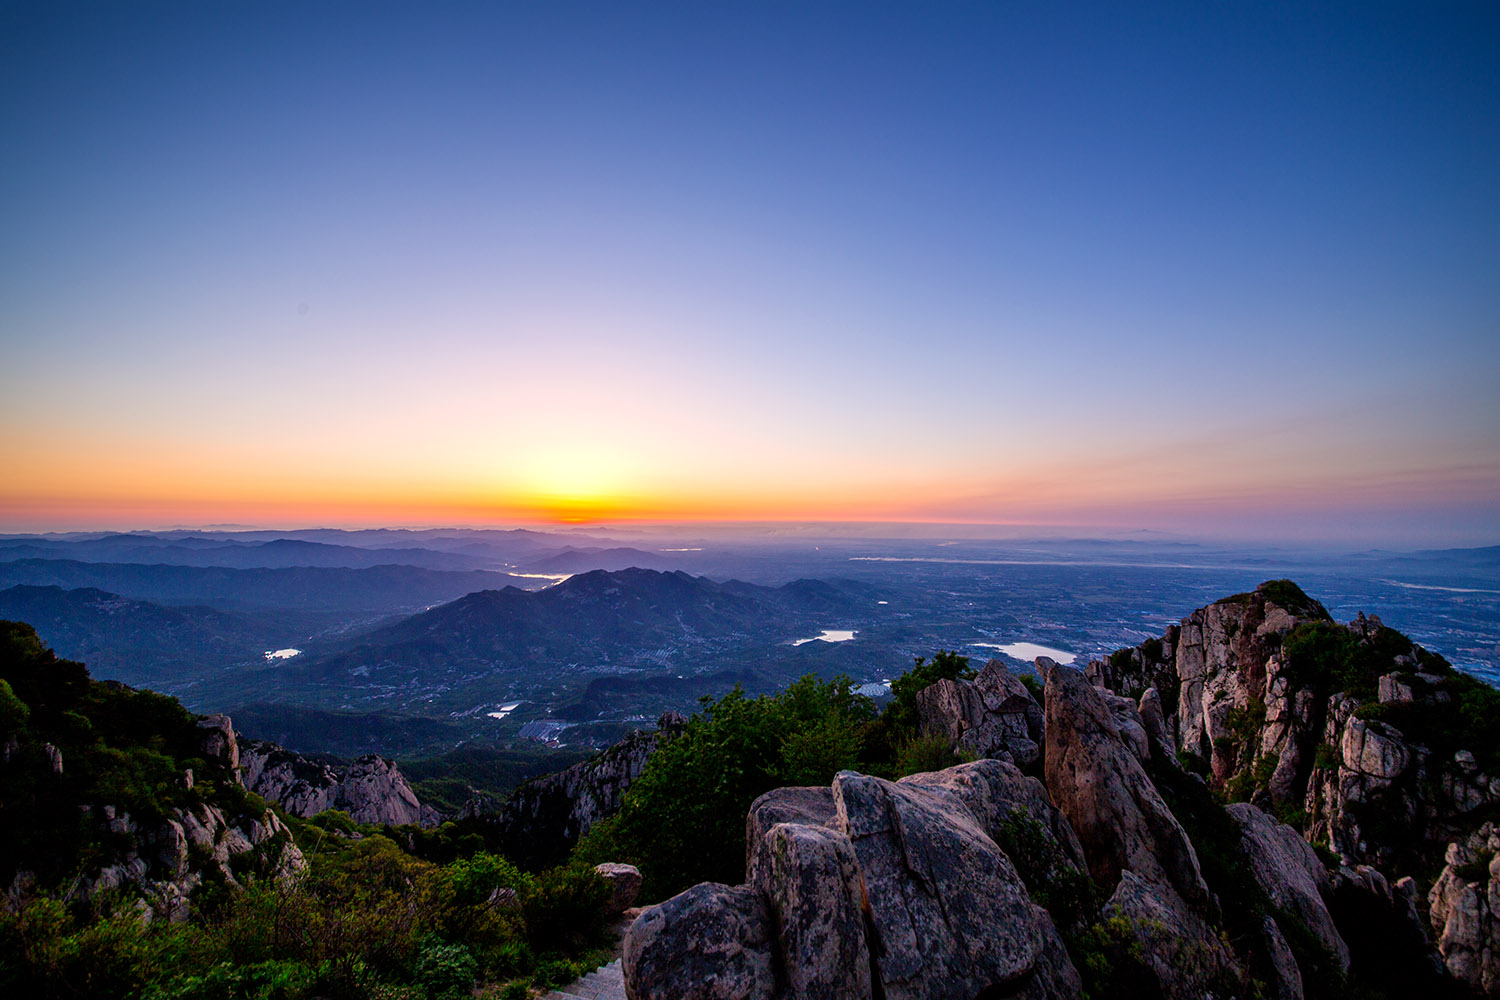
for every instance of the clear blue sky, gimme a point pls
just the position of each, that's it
(1230, 268)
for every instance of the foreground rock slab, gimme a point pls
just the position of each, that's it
(712, 942)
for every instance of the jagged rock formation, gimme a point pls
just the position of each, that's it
(1336, 736)
(166, 860)
(1289, 871)
(370, 789)
(1464, 907)
(900, 893)
(544, 817)
(1304, 716)
(994, 715)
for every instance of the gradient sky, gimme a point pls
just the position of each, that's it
(1219, 268)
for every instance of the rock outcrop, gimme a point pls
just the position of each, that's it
(167, 859)
(371, 789)
(712, 942)
(544, 817)
(1289, 871)
(1464, 907)
(871, 888)
(1099, 784)
(901, 893)
(994, 715)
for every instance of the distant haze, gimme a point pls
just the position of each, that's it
(1226, 271)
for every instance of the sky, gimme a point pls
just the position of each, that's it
(1226, 269)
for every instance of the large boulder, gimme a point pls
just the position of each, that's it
(1178, 948)
(1290, 872)
(624, 883)
(807, 805)
(1102, 789)
(712, 942)
(810, 878)
(942, 898)
(992, 716)
(949, 708)
(996, 792)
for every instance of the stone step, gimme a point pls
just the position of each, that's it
(605, 983)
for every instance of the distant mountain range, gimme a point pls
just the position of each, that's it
(138, 642)
(338, 591)
(500, 643)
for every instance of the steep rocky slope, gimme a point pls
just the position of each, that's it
(544, 817)
(104, 788)
(1261, 802)
(370, 788)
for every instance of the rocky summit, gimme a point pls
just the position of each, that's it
(1259, 803)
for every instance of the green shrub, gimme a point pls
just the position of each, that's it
(447, 971)
(552, 974)
(564, 908)
(683, 820)
(920, 754)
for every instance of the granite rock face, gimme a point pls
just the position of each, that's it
(995, 791)
(171, 858)
(1288, 869)
(371, 789)
(712, 942)
(810, 878)
(941, 896)
(1098, 783)
(544, 817)
(1178, 947)
(897, 891)
(1464, 908)
(993, 715)
(806, 805)
(1227, 705)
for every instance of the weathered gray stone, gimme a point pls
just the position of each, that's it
(1290, 872)
(1004, 695)
(993, 716)
(1054, 976)
(949, 708)
(942, 898)
(1465, 915)
(810, 878)
(994, 790)
(1393, 689)
(219, 742)
(1100, 787)
(1285, 977)
(1154, 719)
(1128, 721)
(1177, 946)
(371, 789)
(712, 942)
(624, 885)
(810, 806)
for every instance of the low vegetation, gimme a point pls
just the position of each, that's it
(377, 912)
(683, 821)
